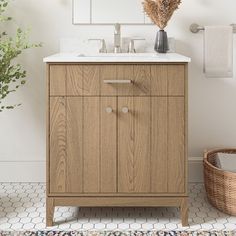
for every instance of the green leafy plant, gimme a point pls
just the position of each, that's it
(12, 75)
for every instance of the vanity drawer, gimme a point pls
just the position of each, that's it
(117, 80)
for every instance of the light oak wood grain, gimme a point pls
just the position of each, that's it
(119, 201)
(159, 142)
(186, 126)
(47, 128)
(58, 144)
(74, 80)
(159, 79)
(91, 82)
(142, 80)
(49, 211)
(176, 78)
(74, 125)
(154, 80)
(134, 145)
(141, 119)
(125, 72)
(108, 141)
(108, 72)
(57, 80)
(184, 212)
(125, 146)
(117, 194)
(91, 144)
(176, 145)
(95, 158)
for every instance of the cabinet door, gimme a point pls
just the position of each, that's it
(151, 145)
(83, 145)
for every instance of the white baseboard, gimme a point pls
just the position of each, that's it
(195, 169)
(27, 171)
(31, 171)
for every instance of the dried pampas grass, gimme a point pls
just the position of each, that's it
(160, 11)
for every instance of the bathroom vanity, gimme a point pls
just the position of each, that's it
(117, 131)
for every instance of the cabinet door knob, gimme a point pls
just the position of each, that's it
(125, 109)
(109, 110)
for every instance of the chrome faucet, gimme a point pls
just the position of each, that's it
(117, 39)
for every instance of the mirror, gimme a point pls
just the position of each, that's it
(109, 12)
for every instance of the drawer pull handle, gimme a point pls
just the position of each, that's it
(125, 110)
(119, 81)
(109, 110)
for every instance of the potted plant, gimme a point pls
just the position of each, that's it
(11, 74)
(160, 12)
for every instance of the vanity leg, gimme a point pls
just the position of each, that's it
(184, 212)
(49, 211)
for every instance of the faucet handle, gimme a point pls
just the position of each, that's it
(103, 48)
(131, 48)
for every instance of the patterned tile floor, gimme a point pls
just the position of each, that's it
(22, 206)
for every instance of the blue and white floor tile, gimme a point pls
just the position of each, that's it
(22, 207)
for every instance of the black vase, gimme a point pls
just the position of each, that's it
(161, 44)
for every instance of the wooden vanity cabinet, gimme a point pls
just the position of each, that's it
(117, 136)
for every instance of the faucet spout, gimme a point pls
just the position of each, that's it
(117, 38)
(117, 28)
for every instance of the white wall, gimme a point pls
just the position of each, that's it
(212, 102)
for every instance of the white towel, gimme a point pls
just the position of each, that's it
(218, 51)
(226, 161)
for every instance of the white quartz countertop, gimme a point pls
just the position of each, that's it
(121, 57)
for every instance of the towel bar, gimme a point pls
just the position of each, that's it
(195, 28)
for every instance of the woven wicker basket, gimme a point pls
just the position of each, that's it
(220, 185)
